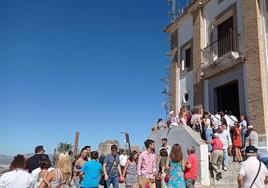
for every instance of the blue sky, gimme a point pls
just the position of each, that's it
(91, 66)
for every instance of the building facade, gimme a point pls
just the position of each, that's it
(219, 59)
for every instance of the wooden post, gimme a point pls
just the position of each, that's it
(76, 144)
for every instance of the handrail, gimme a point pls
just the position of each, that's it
(231, 33)
(221, 46)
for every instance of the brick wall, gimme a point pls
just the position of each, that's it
(173, 87)
(198, 41)
(255, 66)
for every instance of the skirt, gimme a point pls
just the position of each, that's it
(132, 179)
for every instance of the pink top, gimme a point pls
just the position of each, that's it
(147, 164)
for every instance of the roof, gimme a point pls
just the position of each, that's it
(191, 7)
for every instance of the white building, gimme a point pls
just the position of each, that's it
(219, 60)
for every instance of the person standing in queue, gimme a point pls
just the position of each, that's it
(111, 168)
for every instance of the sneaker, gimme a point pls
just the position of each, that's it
(218, 176)
(225, 168)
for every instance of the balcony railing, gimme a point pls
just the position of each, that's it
(220, 47)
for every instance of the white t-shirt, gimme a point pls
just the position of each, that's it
(249, 169)
(17, 178)
(35, 174)
(228, 120)
(243, 125)
(233, 119)
(216, 120)
(123, 160)
(168, 148)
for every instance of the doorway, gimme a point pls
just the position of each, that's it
(227, 98)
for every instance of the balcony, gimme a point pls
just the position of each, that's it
(221, 54)
(219, 48)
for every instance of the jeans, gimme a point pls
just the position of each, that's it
(189, 183)
(225, 158)
(76, 181)
(113, 180)
(209, 134)
(243, 138)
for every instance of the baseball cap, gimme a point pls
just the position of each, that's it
(251, 149)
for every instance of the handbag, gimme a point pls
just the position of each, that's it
(256, 175)
(103, 181)
(167, 178)
(147, 185)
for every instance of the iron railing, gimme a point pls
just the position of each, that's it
(220, 47)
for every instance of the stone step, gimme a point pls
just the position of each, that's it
(225, 181)
(229, 174)
(223, 186)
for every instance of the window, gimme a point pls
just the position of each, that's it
(188, 58)
(186, 97)
(226, 39)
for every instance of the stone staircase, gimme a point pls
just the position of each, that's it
(229, 177)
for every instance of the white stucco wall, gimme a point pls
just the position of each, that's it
(186, 84)
(185, 34)
(185, 31)
(186, 137)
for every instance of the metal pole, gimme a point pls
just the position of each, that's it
(127, 140)
(76, 144)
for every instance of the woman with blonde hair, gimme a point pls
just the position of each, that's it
(176, 167)
(61, 176)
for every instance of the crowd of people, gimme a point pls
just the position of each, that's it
(234, 134)
(224, 134)
(148, 169)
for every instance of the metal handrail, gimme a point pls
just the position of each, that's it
(234, 35)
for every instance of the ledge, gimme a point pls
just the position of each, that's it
(222, 64)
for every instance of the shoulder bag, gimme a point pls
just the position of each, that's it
(102, 181)
(256, 175)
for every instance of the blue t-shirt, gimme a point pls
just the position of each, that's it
(92, 172)
(109, 159)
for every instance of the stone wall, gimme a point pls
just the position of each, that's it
(185, 136)
(105, 147)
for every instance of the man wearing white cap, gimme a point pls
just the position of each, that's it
(253, 173)
(253, 137)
